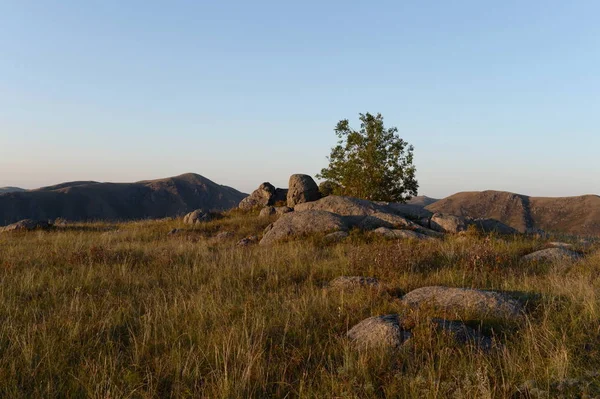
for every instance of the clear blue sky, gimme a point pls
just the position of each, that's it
(493, 95)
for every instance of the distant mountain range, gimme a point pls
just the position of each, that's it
(572, 215)
(89, 200)
(11, 190)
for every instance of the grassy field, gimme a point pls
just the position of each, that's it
(126, 311)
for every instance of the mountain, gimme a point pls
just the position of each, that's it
(11, 190)
(572, 215)
(421, 200)
(90, 200)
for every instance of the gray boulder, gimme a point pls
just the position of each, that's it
(366, 215)
(26, 225)
(302, 189)
(447, 223)
(461, 301)
(296, 224)
(267, 211)
(265, 195)
(380, 332)
(552, 255)
(197, 216)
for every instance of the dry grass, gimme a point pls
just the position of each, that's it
(106, 311)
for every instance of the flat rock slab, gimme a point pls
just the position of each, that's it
(352, 282)
(296, 224)
(553, 255)
(451, 300)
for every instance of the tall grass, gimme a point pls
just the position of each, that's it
(126, 311)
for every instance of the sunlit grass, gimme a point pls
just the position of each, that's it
(124, 310)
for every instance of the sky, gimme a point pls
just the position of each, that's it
(493, 95)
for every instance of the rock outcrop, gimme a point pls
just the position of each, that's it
(265, 195)
(296, 224)
(196, 217)
(447, 223)
(302, 189)
(26, 225)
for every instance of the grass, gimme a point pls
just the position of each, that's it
(125, 311)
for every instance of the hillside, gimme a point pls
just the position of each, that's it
(79, 201)
(4, 190)
(422, 200)
(572, 215)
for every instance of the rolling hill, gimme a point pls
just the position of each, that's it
(572, 215)
(4, 190)
(78, 201)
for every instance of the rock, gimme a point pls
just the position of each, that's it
(174, 231)
(389, 233)
(447, 223)
(195, 217)
(302, 189)
(366, 215)
(380, 332)
(282, 210)
(61, 222)
(296, 224)
(272, 210)
(265, 195)
(224, 235)
(392, 331)
(267, 212)
(244, 242)
(552, 255)
(26, 225)
(411, 211)
(351, 282)
(492, 226)
(336, 237)
(464, 300)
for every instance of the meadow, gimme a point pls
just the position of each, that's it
(125, 310)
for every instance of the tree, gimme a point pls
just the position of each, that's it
(373, 163)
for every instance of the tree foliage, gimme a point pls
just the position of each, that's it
(373, 163)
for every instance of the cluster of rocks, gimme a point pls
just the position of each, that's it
(444, 306)
(26, 225)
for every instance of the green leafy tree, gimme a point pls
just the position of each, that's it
(372, 163)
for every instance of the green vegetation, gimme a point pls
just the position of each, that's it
(99, 310)
(372, 163)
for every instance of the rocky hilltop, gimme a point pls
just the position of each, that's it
(572, 215)
(90, 200)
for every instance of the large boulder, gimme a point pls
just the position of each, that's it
(447, 223)
(553, 255)
(265, 195)
(26, 225)
(366, 215)
(464, 301)
(195, 217)
(302, 189)
(296, 224)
